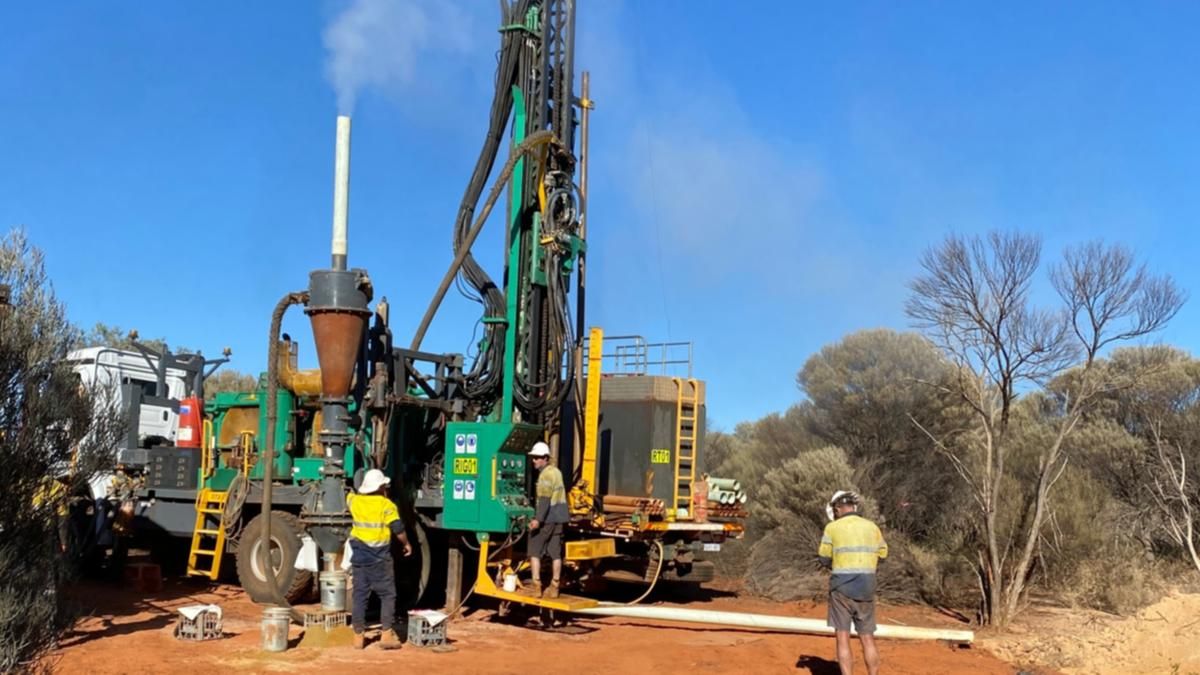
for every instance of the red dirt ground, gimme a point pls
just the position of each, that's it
(127, 633)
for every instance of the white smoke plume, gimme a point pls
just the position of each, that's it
(383, 44)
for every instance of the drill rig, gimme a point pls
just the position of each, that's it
(453, 435)
(452, 432)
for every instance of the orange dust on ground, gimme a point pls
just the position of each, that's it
(125, 632)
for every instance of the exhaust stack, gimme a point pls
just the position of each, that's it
(341, 192)
(338, 309)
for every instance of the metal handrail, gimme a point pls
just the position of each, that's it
(633, 355)
(247, 443)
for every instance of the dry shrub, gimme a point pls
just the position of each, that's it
(734, 559)
(1090, 554)
(783, 564)
(790, 517)
(916, 573)
(779, 558)
(1121, 584)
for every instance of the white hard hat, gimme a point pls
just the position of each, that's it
(540, 449)
(836, 496)
(372, 481)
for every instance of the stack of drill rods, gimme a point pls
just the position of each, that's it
(621, 504)
(621, 508)
(718, 510)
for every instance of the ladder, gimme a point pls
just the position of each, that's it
(208, 536)
(687, 405)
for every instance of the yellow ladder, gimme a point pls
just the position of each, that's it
(208, 532)
(687, 406)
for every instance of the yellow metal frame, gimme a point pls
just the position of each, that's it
(683, 439)
(484, 585)
(729, 529)
(591, 415)
(210, 506)
(582, 495)
(206, 448)
(590, 549)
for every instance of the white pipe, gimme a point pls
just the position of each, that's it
(341, 191)
(724, 484)
(723, 496)
(789, 624)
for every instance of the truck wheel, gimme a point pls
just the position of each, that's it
(293, 584)
(412, 573)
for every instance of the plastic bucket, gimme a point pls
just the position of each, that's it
(333, 591)
(275, 624)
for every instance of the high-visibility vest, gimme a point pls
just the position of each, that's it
(855, 545)
(51, 491)
(550, 485)
(373, 516)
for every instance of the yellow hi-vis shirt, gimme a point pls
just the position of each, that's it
(373, 516)
(853, 547)
(51, 491)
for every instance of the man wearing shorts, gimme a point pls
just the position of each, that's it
(852, 548)
(546, 528)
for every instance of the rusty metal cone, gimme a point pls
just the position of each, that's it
(337, 336)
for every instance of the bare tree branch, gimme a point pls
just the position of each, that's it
(972, 299)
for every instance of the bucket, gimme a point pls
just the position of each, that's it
(510, 583)
(333, 591)
(275, 623)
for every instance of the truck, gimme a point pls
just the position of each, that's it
(150, 386)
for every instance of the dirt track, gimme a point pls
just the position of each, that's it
(127, 633)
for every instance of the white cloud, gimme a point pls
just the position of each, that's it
(386, 44)
(675, 144)
(731, 198)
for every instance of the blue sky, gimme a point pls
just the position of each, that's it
(764, 175)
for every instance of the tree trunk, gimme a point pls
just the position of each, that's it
(995, 568)
(1191, 544)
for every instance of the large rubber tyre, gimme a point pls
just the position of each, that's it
(412, 573)
(293, 584)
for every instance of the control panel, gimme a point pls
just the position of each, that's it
(485, 475)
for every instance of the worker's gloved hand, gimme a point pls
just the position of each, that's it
(534, 524)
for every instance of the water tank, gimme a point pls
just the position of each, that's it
(638, 429)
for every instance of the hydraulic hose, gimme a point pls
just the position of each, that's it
(268, 453)
(657, 574)
(482, 377)
(524, 148)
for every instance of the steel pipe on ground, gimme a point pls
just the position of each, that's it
(789, 624)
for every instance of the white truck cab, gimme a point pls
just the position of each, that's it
(110, 369)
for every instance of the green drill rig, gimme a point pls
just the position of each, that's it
(455, 434)
(452, 432)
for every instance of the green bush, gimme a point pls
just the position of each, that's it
(53, 437)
